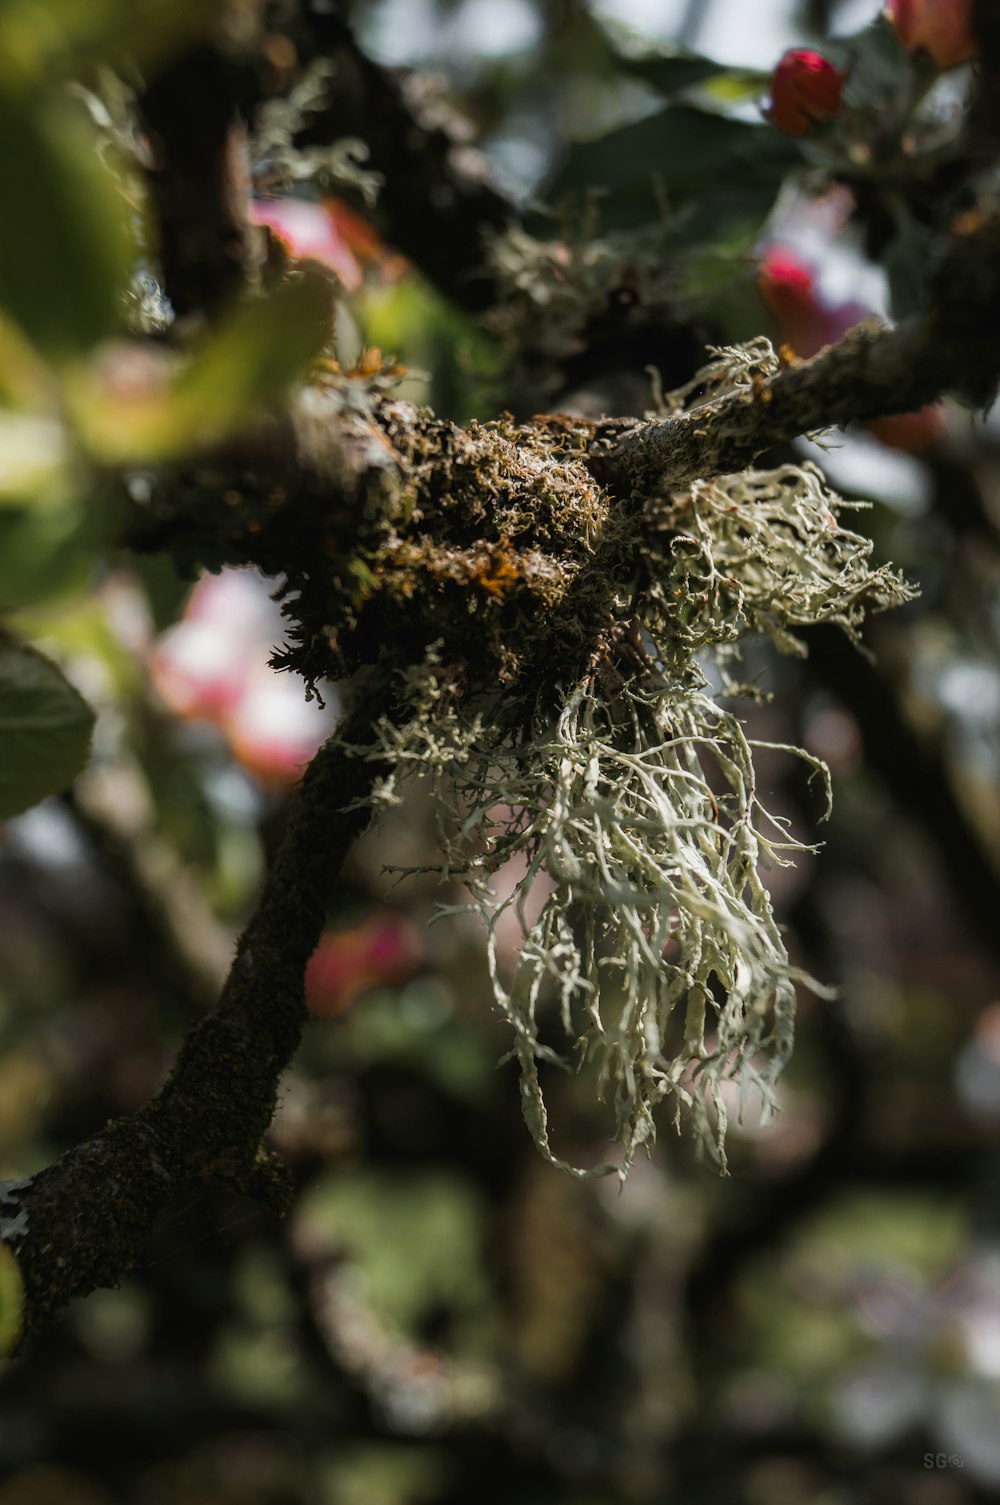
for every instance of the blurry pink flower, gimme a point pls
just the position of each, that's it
(911, 432)
(805, 87)
(385, 949)
(941, 28)
(198, 671)
(804, 321)
(272, 729)
(310, 233)
(201, 665)
(807, 324)
(212, 666)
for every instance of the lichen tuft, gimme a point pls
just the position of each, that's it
(628, 797)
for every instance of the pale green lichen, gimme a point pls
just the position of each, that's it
(278, 161)
(630, 809)
(657, 943)
(555, 297)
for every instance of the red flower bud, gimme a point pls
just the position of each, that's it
(941, 28)
(804, 320)
(806, 323)
(804, 87)
(911, 432)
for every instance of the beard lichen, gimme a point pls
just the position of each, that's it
(623, 795)
(558, 652)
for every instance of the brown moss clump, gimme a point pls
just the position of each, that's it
(496, 544)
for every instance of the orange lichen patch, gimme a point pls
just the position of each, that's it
(370, 363)
(499, 572)
(969, 222)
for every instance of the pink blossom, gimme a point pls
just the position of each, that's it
(941, 28)
(384, 949)
(807, 324)
(272, 729)
(212, 666)
(310, 233)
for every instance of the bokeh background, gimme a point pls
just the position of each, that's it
(443, 1318)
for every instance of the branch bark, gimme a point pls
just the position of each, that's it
(870, 373)
(438, 200)
(84, 1221)
(197, 183)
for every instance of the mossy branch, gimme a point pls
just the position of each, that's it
(872, 372)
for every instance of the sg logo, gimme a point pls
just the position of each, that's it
(943, 1460)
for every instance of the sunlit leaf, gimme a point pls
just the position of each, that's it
(11, 1300)
(249, 362)
(34, 453)
(39, 37)
(45, 552)
(259, 353)
(672, 71)
(45, 728)
(735, 85)
(66, 247)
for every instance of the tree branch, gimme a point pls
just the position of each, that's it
(438, 199)
(873, 371)
(197, 182)
(84, 1221)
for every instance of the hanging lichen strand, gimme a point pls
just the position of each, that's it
(622, 802)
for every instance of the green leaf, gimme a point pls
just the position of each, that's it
(45, 728)
(880, 73)
(66, 247)
(251, 361)
(258, 354)
(11, 1300)
(673, 70)
(39, 37)
(904, 260)
(671, 158)
(45, 552)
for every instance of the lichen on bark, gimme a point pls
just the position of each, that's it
(555, 649)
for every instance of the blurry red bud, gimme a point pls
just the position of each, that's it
(806, 323)
(804, 87)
